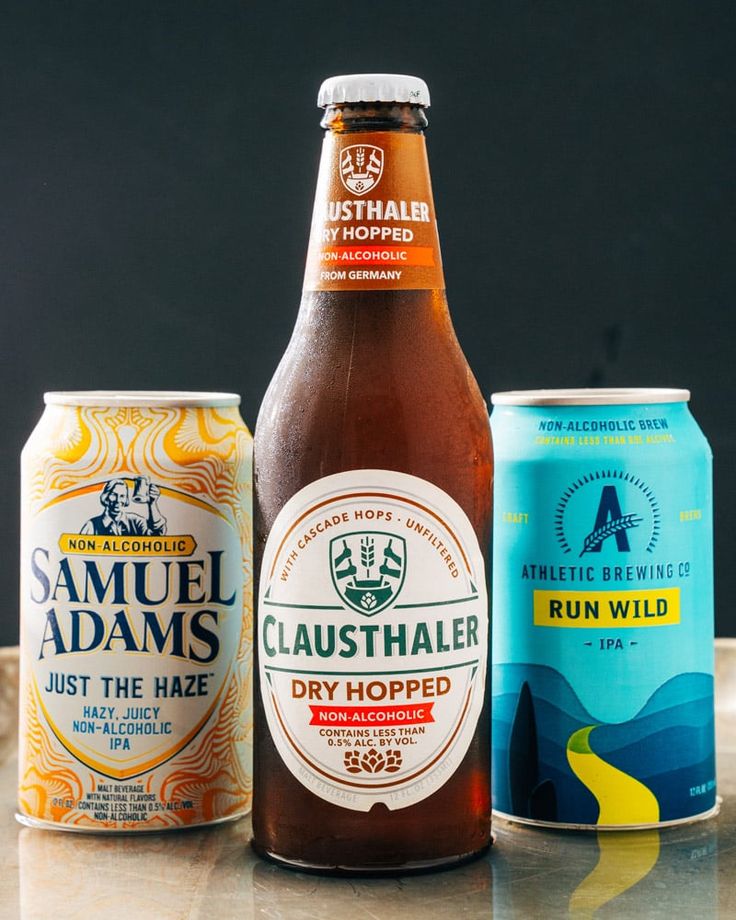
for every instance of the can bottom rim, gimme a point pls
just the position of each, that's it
(566, 826)
(40, 825)
(417, 867)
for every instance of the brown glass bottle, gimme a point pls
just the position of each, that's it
(371, 380)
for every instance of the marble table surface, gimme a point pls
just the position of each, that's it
(212, 874)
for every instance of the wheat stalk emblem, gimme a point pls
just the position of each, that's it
(594, 539)
(367, 553)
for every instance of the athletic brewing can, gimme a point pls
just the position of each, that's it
(136, 612)
(602, 609)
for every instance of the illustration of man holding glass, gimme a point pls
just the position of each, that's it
(117, 521)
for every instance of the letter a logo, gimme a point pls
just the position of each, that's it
(610, 522)
(590, 499)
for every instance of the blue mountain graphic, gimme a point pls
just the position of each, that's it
(668, 745)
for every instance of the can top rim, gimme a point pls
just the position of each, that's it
(168, 398)
(591, 396)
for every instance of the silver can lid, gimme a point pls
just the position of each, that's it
(591, 396)
(373, 87)
(129, 398)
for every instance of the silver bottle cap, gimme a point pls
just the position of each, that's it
(373, 87)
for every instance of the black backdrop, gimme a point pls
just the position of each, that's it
(157, 168)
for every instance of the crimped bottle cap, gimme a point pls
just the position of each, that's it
(373, 87)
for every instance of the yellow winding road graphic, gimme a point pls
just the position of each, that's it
(623, 800)
(625, 858)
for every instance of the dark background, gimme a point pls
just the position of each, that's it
(157, 169)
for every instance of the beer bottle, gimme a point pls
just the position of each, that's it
(373, 471)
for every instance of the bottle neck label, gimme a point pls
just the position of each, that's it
(374, 224)
(372, 637)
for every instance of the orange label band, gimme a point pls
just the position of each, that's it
(374, 225)
(377, 255)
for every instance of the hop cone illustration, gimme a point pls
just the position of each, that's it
(373, 761)
(352, 762)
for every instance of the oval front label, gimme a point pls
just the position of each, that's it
(373, 626)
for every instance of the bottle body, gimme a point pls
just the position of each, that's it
(373, 470)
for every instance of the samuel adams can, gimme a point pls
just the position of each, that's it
(602, 609)
(136, 612)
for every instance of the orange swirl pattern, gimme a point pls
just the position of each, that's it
(50, 782)
(206, 453)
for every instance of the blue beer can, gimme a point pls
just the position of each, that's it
(602, 675)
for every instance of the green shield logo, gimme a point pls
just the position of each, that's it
(368, 569)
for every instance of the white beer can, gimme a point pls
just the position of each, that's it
(136, 612)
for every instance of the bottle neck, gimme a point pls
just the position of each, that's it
(374, 226)
(375, 116)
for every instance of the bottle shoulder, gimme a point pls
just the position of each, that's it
(373, 363)
(425, 423)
